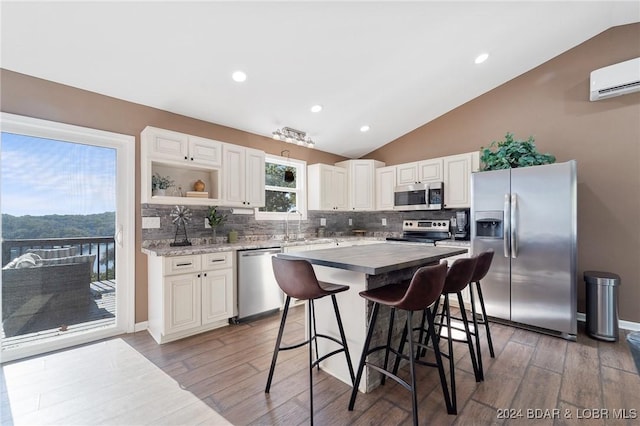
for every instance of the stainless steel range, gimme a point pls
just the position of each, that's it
(424, 231)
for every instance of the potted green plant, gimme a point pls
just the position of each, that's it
(512, 153)
(215, 219)
(159, 184)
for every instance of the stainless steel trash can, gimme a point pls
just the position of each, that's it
(602, 305)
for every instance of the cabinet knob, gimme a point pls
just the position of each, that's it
(205, 274)
(198, 275)
(186, 158)
(191, 158)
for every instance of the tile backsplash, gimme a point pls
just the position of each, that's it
(250, 229)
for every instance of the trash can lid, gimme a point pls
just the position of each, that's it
(601, 278)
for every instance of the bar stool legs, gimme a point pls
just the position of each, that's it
(483, 320)
(406, 336)
(312, 341)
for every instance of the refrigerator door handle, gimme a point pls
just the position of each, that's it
(514, 226)
(507, 227)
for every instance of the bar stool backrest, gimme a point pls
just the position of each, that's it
(296, 278)
(425, 287)
(482, 267)
(459, 275)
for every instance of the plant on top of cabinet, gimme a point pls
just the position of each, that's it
(512, 153)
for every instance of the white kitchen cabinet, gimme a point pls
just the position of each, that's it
(326, 187)
(180, 147)
(184, 159)
(419, 172)
(189, 294)
(361, 179)
(385, 184)
(457, 179)
(244, 176)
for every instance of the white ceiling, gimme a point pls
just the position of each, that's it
(392, 65)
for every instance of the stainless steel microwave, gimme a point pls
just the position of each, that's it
(419, 196)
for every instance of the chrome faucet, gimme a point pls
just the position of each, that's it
(286, 224)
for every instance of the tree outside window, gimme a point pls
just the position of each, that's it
(284, 187)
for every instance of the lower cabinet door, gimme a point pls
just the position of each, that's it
(183, 304)
(217, 295)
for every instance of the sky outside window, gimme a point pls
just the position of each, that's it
(44, 177)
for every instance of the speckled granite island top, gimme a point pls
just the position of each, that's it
(376, 259)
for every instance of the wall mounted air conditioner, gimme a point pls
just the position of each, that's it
(615, 80)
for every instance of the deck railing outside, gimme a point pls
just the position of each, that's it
(104, 248)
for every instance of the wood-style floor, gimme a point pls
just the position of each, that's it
(227, 370)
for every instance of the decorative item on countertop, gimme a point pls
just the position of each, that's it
(215, 219)
(321, 232)
(233, 236)
(159, 184)
(181, 216)
(512, 153)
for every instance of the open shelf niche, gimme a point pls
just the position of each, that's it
(184, 178)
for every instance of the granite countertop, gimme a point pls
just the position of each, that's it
(166, 250)
(376, 259)
(454, 243)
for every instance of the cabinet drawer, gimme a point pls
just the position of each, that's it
(181, 264)
(220, 260)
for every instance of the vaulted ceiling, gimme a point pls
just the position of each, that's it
(392, 66)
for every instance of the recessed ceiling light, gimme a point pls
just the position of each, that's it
(481, 58)
(316, 108)
(239, 76)
(365, 128)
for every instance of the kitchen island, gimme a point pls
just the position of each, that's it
(363, 268)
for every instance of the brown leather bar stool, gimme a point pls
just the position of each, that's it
(297, 279)
(417, 295)
(458, 277)
(482, 268)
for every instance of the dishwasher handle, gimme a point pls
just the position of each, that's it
(259, 252)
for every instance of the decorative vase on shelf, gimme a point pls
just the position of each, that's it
(198, 186)
(159, 192)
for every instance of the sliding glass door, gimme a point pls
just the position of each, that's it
(67, 235)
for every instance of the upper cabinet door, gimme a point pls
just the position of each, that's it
(407, 174)
(327, 187)
(205, 151)
(255, 178)
(234, 175)
(339, 189)
(244, 176)
(385, 184)
(430, 170)
(457, 179)
(166, 144)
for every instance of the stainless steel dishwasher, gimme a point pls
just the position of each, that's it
(258, 291)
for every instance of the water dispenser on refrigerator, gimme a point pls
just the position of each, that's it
(489, 224)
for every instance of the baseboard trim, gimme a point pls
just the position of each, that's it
(141, 326)
(625, 325)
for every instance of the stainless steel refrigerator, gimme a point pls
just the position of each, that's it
(528, 217)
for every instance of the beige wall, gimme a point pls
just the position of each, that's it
(551, 102)
(33, 97)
